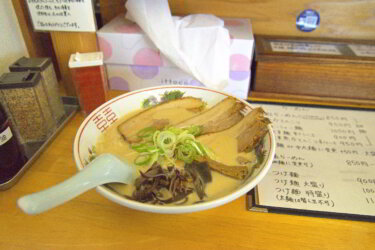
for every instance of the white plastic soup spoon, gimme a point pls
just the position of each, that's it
(106, 168)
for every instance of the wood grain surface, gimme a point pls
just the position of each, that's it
(110, 9)
(67, 43)
(260, 96)
(325, 78)
(339, 18)
(335, 75)
(93, 222)
(33, 40)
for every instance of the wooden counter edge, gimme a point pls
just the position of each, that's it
(310, 100)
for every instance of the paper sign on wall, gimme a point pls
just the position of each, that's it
(62, 15)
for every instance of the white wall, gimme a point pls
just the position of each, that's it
(12, 45)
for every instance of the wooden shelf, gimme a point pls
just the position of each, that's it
(326, 71)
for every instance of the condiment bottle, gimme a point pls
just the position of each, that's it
(26, 103)
(49, 81)
(90, 80)
(11, 154)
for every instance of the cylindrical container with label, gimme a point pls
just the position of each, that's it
(12, 157)
(90, 80)
(26, 104)
(49, 81)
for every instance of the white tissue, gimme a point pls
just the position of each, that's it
(197, 44)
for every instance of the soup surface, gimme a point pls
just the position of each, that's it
(223, 145)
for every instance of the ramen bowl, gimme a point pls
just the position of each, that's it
(107, 114)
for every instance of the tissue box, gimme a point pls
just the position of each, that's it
(133, 61)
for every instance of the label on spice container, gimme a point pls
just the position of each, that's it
(5, 136)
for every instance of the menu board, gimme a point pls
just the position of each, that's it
(324, 162)
(62, 15)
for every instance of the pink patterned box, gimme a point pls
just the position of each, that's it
(133, 61)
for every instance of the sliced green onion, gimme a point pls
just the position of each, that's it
(155, 136)
(169, 152)
(207, 151)
(182, 138)
(186, 153)
(154, 158)
(197, 147)
(142, 159)
(170, 144)
(165, 140)
(145, 148)
(195, 130)
(146, 159)
(146, 132)
(175, 130)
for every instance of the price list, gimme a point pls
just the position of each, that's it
(325, 160)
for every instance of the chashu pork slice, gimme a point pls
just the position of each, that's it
(159, 116)
(251, 130)
(221, 116)
(234, 143)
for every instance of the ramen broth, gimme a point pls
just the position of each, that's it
(224, 148)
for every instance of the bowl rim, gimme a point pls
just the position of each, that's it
(113, 196)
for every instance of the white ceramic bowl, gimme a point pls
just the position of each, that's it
(107, 113)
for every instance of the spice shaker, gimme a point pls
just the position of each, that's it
(11, 154)
(90, 80)
(49, 81)
(26, 104)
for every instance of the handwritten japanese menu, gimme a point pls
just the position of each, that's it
(62, 15)
(325, 160)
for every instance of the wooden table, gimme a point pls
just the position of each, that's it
(93, 222)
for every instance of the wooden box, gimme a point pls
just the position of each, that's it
(312, 67)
